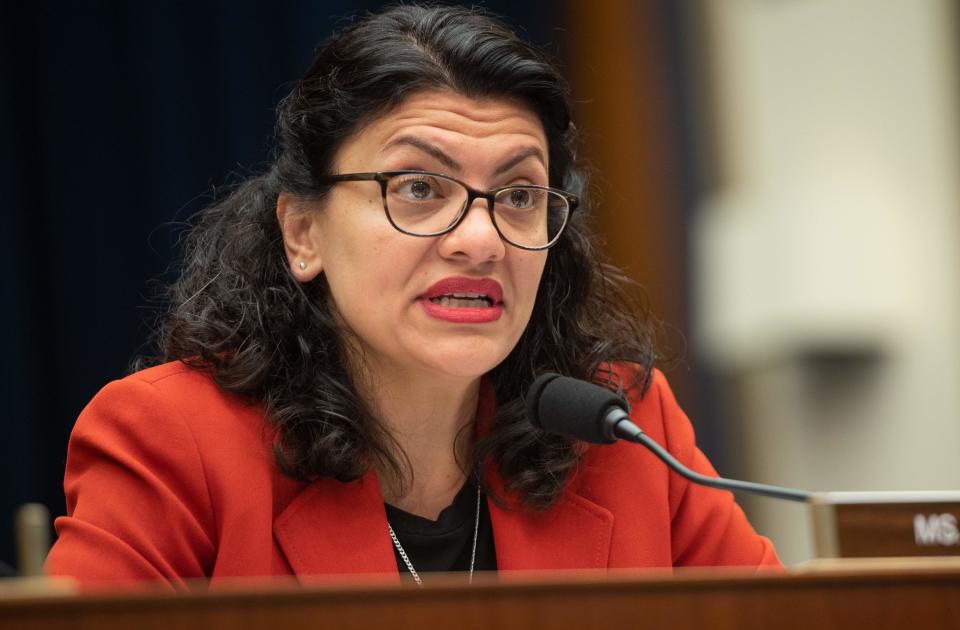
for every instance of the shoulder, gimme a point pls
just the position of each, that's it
(172, 403)
(174, 387)
(165, 371)
(178, 380)
(173, 422)
(654, 409)
(164, 445)
(652, 403)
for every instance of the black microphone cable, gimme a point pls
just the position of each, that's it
(589, 412)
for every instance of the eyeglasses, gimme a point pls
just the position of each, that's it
(419, 203)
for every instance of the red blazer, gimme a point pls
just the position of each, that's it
(170, 478)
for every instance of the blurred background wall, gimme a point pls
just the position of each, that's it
(827, 245)
(780, 175)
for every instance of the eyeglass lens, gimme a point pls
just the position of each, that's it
(428, 204)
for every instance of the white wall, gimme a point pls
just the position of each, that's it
(834, 231)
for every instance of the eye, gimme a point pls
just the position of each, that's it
(415, 188)
(521, 198)
(420, 189)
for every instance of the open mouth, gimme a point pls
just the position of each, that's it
(463, 300)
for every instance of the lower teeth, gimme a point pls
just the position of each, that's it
(461, 302)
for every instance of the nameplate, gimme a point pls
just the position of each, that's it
(886, 524)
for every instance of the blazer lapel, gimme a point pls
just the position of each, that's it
(336, 528)
(574, 533)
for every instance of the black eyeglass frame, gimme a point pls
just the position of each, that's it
(382, 177)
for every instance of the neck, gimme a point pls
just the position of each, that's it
(430, 419)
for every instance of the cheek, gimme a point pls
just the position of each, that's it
(356, 271)
(529, 271)
(535, 266)
(370, 272)
(353, 241)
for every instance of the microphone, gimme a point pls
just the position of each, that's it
(591, 413)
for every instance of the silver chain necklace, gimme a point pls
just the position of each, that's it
(406, 558)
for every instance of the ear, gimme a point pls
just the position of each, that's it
(300, 226)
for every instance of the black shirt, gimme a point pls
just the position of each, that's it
(447, 543)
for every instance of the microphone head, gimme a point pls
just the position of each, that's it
(571, 407)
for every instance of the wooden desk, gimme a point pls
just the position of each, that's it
(915, 596)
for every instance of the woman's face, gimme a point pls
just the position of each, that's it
(387, 287)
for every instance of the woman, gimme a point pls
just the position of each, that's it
(350, 340)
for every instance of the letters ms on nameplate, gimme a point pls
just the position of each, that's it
(886, 524)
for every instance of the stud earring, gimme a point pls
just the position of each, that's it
(302, 265)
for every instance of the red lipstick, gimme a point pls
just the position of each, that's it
(464, 300)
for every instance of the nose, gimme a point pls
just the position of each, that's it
(476, 238)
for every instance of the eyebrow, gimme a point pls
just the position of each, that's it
(520, 157)
(452, 164)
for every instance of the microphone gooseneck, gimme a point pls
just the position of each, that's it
(589, 412)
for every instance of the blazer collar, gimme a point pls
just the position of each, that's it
(337, 528)
(575, 533)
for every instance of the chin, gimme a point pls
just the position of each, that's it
(464, 355)
(467, 362)
(466, 367)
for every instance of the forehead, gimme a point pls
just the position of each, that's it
(453, 121)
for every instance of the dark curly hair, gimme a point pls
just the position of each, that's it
(237, 311)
